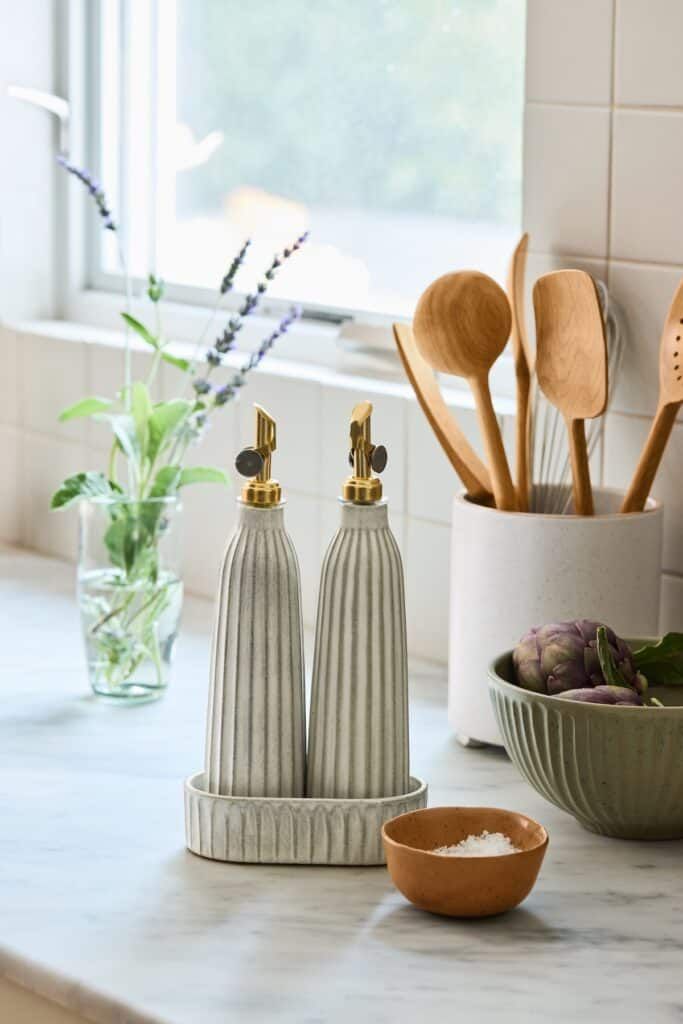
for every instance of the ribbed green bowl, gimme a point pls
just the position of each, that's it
(618, 770)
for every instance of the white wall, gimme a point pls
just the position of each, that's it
(27, 170)
(603, 174)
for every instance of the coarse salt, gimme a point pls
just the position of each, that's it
(488, 844)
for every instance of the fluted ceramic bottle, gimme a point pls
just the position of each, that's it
(358, 730)
(255, 742)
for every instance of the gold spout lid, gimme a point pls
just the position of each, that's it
(255, 462)
(362, 488)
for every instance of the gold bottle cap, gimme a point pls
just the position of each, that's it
(362, 488)
(255, 462)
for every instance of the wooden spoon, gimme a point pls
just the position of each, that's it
(524, 362)
(461, 325)
(461, 455)
(571, 363)
(670, 398)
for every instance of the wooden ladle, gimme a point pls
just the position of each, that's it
(670, 398)
(461, 326)
(571, 363)
(461, 455)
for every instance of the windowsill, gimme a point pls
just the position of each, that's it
(349, 355)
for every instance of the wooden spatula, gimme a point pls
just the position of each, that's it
(461, 455)
(524, 362)
(571, 363)
(670, 398)
(461, 326)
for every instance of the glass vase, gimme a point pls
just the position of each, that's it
(130, 594)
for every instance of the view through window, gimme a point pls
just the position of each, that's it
(390, 129)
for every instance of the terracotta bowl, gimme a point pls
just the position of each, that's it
(462, 886)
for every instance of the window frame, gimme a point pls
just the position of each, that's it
(87, 293)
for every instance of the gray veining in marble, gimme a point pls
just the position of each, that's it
(103, 910)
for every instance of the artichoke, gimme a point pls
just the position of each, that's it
(564, 656)
(604, 695)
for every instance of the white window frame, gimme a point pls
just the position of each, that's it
(88, 294)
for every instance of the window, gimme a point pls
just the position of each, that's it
(391, 129)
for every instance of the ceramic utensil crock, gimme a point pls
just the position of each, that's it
(511, 571)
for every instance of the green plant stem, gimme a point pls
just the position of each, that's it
(113, 613)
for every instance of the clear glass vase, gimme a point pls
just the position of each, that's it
(130, 594)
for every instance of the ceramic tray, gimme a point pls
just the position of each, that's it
(268, 830)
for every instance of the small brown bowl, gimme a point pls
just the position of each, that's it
(462, 886)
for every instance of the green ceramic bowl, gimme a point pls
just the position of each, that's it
(618, 770)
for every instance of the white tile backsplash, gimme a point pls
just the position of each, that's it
(296, 407)
(647, 198)
(566, 171)
(643, 292)
(427, 586)
(52, 376)
(10, 508)
(624, 440)
(45, 463)
(568, 51)
(432, 481)
(9, 378)
(648, 53)
(388, 428)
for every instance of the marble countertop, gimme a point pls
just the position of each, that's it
(105, 912)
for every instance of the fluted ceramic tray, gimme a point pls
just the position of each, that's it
(268, 830)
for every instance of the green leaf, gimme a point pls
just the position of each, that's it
(662, 662)
(83, 485)
(166, 482)
(123, 426)
(203, 475)
(141, 409)
(177, 361)
(165, 419)
(140, 329)
(86, 407)
(613, 676)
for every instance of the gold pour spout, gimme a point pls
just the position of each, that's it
(362, 488)
(255, 462)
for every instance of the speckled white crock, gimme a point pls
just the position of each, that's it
(511, 571)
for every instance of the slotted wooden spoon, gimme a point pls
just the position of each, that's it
(524, 363)
(670, 398)
(461, 455)
(461, 326)
(571, 363)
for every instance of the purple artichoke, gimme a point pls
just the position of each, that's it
(604, 695)
(563, 656)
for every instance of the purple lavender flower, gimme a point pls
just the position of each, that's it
(249, 305)
(223, 394)
(95, 190)
(201, 386)
(213, 357)
(227, 282)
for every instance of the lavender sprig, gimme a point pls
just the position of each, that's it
(95, 190)
(227, 391)
(226, 341)
(227, 282)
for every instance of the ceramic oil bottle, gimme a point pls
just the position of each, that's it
(256, 719)
(358, 731)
